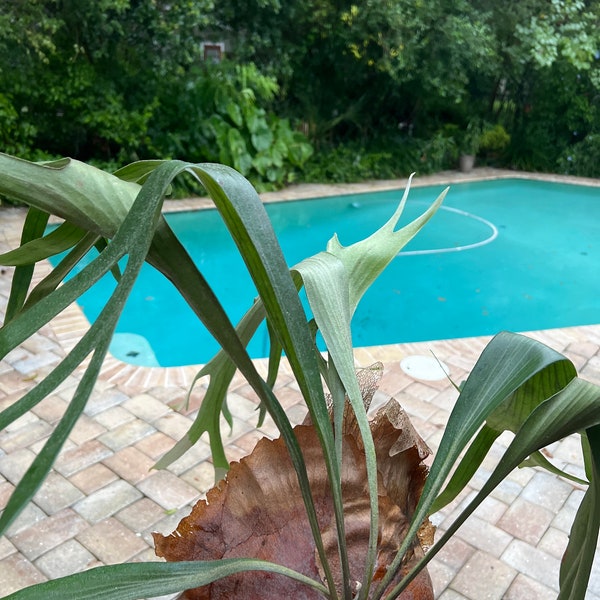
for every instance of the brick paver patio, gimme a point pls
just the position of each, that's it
(102, 500)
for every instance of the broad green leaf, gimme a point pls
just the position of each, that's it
(509, 415)
(537, 459)
(576, 565)
(252, 232)
(365, 260)
(299, 151)
(58, 274)
(571, 410)
(137, 172)
(469, 464)
(331, 280)
(33, 228)
(261, 136)
(145, 580)
(65, 236)
(235, 113)
(96, 340)
(77, 192)
(507, 363)
(220, 371)
(236, 144)
(326, 284)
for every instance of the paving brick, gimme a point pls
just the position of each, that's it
(111, 542)
(39, 343)
(66, 559)
(171, 393)
(248, 441)
(491, 582)
(70, 462)
(27, 517)
(14, 465)
(536, 564)
(441, 576)
(564, 519)
(85, 429)
(49, 533)
(6, 548)
(155, 445)
(238, 428)
(548, 491)
(297, 413)
(197, 454)
(18, 572)
(56, 493)
(168, 490)
(24, 436)
(594, 581)
(130, 464)
(113, 417)
(241, 407)
(583, 348)
(507, 491)
(524, 588)
(141, 515)
(93, 478)
(146, 407)
(268, 429)
(147, 555)
(107, 501)
(526, 521)
(569, 450)
(126, 434)
(554, 542)
(170, 521)
(51, 409)
(450, 594)
(455, 553)
(490, 510)
(484, 536)
(103, 399)
(6, 489)
(416, 407)
(173, 424)
(12, 382)
(287, 396)
(31, 364)
(521, 476)
(201, 477)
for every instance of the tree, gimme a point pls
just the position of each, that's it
(87, 75)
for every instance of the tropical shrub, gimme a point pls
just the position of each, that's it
(494, 139)
(583, 158)
(390, 156)
(227, 121)
(518, 385)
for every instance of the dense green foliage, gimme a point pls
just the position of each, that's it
(380, 88)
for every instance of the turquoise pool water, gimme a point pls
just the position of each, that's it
(507, 254)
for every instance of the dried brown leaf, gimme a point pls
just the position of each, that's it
(258, 510)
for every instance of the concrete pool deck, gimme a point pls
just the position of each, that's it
(101, 501)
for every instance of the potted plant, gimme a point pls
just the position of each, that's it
(358, 488)
(469, 146)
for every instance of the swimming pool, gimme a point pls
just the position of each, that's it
(505, 254)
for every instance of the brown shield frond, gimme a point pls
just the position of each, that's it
(258, 512)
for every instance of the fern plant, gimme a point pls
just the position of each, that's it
(379, 549)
